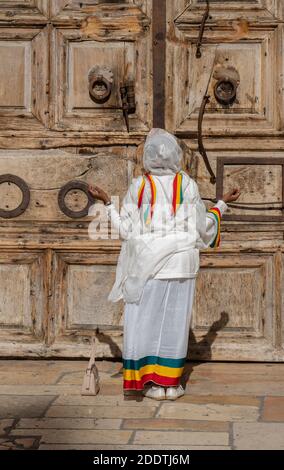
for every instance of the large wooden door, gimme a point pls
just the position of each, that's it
(56, 128)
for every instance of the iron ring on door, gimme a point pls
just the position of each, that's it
(225, 91)
(22, 185)
(81, 186)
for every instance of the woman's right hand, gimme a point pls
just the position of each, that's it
(99, 194)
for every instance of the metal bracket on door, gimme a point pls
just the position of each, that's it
(127, 93)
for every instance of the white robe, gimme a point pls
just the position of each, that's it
(169, 246)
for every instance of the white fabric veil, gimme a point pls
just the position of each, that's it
(162, 153)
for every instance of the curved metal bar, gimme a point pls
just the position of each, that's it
(201, 148)
(201, 31)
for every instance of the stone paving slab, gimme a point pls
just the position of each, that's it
(66, 423)
(5, 424)
(221, 399)
(127, 447)
(181, 438)
(258, 436)
(103, 400)
(209, 412)
(39, 390)
(144, 411)
(18, 444)
(79, 436)
(176, 424)
(236, 379)
(273, 409)
(23, 406)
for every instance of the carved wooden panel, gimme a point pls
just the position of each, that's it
(64, 10)
(75, 53)
(262, 183)
(251, 10)
(250, 54)
(22, 300)
(234, 313)
(24, 10)
(258, 174)
(46, 172)
(24, 78)
(82, 282)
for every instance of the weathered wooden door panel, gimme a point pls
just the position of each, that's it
(237, 49)
(253, 11)
(258, 173)
(46, 172)
(117, 12)
(24, 11)
(22, 308)
(82, 282)
(24, 78)
(235, 310)
(75, 55)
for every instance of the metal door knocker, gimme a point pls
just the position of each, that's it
(75, 185)
(225, 89)
(22, 185)
(100, 84)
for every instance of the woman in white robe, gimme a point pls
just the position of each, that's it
(163, 223)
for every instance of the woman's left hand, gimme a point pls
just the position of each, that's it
(232, 195)
(99, 194)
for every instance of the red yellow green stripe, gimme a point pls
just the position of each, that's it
(177, 195)
(158, 380)
(162, 371)
(217, 215)
(150, 210)
(177, 192)
(141, 193)
(153, 194)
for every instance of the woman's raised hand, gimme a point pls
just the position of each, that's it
(99, 194)
(232, 195)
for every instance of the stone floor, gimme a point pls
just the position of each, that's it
(226, 406)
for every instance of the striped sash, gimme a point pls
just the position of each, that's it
(177, 195)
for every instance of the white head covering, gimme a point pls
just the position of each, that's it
(162, 153)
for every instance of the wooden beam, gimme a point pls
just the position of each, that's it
(159, 62)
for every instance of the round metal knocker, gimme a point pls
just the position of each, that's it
(22, 185)
(100, 84)
(225, 91)
(75, 185)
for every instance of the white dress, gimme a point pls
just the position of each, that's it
(156, 277)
